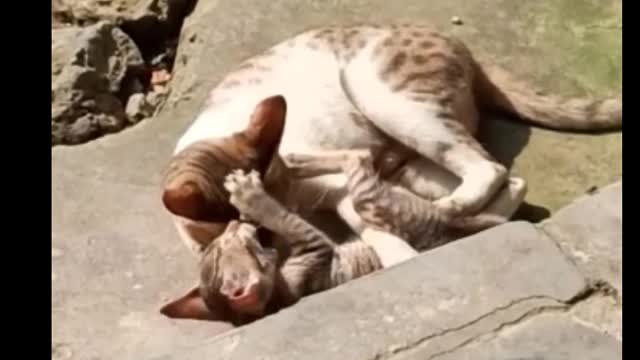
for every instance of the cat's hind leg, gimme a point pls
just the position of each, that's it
(434, 129)
(508, 199)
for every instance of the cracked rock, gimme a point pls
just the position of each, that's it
(89, 68)
(594, 245)
(544, 337)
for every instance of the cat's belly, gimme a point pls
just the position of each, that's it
(323, 118)
(343, 127)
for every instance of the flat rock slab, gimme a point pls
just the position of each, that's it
(590, 232)
(433, 303)
(546, 337)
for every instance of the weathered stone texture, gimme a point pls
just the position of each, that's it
(590, 232)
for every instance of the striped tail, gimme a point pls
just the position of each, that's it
(497, 89)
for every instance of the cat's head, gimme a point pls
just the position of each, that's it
(193, 186)
(194, 190)
(237, 278)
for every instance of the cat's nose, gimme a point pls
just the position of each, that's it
(236, 293)
(242, 295)
(232, 289)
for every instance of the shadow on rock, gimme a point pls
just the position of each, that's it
(531, 213)
(504, 139)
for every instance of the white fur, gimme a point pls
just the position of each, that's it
(317, 107)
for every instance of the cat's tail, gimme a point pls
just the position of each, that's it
(497, 89)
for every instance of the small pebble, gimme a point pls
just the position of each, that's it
(129, 274)
(137, 286)
(155, 98)
(54, 277)
(56, 252)
(456, 20)
(138, 108)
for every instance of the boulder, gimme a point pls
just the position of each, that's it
(90, 68)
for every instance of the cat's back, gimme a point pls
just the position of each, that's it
(307, 69)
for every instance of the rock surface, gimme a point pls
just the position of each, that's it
(86, 12)
(590, 231)
(120, 257)
(544, 337)
(91, 66)
(144, 32)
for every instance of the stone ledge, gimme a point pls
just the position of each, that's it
(446, 296)
(543, 337)
(589, 231)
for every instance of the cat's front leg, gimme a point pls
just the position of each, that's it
(326, 162)
(252, 201)
(250, 198)
(308, 267)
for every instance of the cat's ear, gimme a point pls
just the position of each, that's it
(189, 306)
(266, 127)
(186, 200)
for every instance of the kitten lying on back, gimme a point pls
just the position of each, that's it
(243, 279)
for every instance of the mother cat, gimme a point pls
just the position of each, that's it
(397, 88)
(358, 87)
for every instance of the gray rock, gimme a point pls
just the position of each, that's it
(590, 232)
(157, 97)
(428, 305)
(91, 11)
(89, 68)
(138, 108)
(547, 337)
(602, 312)
(143, 20)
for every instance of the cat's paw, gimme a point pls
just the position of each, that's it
(248, 194)
(358, 160)
(247, 231)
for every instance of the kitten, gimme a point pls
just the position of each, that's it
(242, 279)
